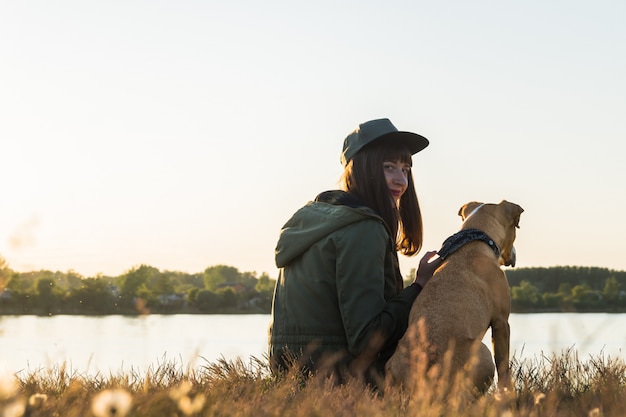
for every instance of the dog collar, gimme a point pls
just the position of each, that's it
(457, 240)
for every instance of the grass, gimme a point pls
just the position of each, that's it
(557, 385)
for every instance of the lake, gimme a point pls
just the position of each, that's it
(123, 344)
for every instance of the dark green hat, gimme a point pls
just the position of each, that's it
(376, 130)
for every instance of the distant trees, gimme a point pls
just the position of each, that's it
(216, 276)
(207, 301)
(567, 289)
(142, 289)
(225, 289)
(564, 288)
(5, 273)
(525, 294)
(94, 296)
(47, 296)
(132, 285)
(611, 291)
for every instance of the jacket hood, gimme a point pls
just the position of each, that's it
(331, 211)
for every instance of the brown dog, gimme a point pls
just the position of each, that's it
(467, 294)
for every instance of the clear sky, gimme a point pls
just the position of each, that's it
(183, 134)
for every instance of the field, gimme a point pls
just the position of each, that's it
(560, 385)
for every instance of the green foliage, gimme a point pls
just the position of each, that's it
(567, 289)
(552, 301)
(139, 290)
(265, 284)
(207, 301)
(611, 290)
(16, 284)
(526, 294)
(133, 284)
(95, 296)
(265, 289)
(550, 279)
(224, 289)
(218, 275)
(47, 296)
(163, 285)
(228, 297)
(3, 263)
(410, 277)
(45, 287)
(184, 283)
(5, 273)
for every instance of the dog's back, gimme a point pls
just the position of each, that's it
(468, 294)
(458, 302)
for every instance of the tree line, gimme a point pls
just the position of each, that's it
(225, 289)
(140, 290)
(567, 289)
(564, 289)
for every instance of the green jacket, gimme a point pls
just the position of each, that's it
(339, 284)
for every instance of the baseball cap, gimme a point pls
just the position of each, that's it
(377, 130)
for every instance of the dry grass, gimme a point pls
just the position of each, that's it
(547, 386)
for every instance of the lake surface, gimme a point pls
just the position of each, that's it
(121, 344)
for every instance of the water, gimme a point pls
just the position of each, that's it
(114, 344)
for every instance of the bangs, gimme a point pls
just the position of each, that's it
(397, 152)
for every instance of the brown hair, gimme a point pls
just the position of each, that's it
(364, 177)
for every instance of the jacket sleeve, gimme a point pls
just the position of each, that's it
(394, 320)
(361, 250)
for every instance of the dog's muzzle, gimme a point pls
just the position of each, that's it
(511, 261)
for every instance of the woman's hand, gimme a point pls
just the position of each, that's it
(428, 264)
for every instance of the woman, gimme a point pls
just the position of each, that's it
(339, 305)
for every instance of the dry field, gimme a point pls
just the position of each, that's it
(561, 385)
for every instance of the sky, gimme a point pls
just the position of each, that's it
(184, 134)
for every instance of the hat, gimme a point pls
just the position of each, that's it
(376, 130)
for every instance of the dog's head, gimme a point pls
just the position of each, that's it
(499, 221)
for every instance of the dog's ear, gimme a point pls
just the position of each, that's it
(466, 209)
(513, 211)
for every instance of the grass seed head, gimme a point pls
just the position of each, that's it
(111, 403)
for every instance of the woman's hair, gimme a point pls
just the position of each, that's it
(364, 177)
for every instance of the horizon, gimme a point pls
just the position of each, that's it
(259, 273)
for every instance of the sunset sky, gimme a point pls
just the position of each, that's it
(183, 134)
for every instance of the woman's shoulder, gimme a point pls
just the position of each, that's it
(339, 198)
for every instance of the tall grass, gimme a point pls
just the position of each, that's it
(557, 385)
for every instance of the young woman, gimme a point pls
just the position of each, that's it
(339, 305)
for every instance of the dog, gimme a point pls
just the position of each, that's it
(467, 294)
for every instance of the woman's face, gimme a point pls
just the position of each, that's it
(397, 178)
